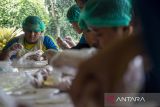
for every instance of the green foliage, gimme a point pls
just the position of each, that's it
(6, 34)
(60, 20)
(13, 12)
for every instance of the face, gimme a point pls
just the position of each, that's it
(105, 36)
(32, 37)
(80, 4)
(76, 27)
(90, 37)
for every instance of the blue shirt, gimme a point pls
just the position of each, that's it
(82, 44)
(82, 40)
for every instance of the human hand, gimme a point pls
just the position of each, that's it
(70, 41)
(62, 44)
(36, 57)
(48, 54)
(38, 78)
(16, 47)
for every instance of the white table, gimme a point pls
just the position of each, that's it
(45, 98)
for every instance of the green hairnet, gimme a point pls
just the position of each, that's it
(107, 13)
(73, 13)
(33, 23)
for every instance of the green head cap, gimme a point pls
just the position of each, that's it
(73, 13)
(33, 23)
(107, 13)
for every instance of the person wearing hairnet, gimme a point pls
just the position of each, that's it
(85, 91)
(112, 25)
(117, 67)
(88, 35)
(87, 40)
(105, 22)
(73, 17)
(32, 39)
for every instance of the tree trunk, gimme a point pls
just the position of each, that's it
(55, 16)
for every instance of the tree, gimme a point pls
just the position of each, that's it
(13, 12)
(58, 10)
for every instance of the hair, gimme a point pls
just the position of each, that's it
(84, 1)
